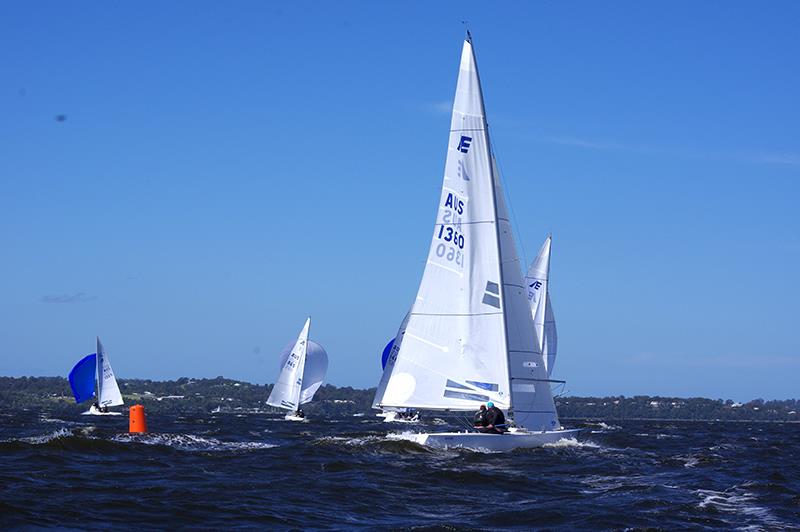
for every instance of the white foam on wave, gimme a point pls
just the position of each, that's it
(355, 441)
(603, 426)
(567, 443)
(44, 438)
(191, 442)
(740, 502)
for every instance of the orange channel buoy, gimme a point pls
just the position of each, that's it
(138, 423)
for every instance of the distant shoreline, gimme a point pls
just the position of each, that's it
(187, 395)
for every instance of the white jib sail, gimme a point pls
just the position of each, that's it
(107, 389)
(538, 284)
(453, 352)
(532, 399)
(286, 392)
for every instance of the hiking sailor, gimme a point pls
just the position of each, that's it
(479, 419)
(491, 420)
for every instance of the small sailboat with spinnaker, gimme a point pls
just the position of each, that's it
(92, 377)
(304, 364)
(469, 338)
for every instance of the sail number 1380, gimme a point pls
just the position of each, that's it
(448, 234)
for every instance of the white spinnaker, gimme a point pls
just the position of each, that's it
(532, 399)
(537, 282)
(107, 389)
(453, 353)
(314, 370)
(286, 392)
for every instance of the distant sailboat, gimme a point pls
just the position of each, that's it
(470, 337)
(537, 282)
(303, 367)
(95, 370)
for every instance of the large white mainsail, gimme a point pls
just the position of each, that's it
(452, 354)
(537, 282)
(469, 337)
(286, 392)
(107, 389)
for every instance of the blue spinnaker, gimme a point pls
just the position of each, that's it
(386, 351)
(81, 378)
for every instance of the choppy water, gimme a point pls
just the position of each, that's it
(223, 470)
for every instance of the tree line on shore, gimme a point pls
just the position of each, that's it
(187, 395)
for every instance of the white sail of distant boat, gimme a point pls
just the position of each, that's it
(469, 337)
(303, 367)
(107, 389)
(92, 377)
(537, 282)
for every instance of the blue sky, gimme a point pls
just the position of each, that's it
(221, 171)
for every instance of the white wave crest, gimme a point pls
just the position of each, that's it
(355, 441)
(567, 443)
(44, 438)
(191, 442)
(740, 502)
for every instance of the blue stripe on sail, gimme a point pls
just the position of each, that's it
(386, 352)
(485, 385)
(81, 378)
(467, 396)
(454, 384)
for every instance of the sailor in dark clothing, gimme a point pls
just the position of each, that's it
(495, 420)
(479, 419)
(300, 413)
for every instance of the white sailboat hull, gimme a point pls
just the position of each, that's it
(292, 417)
(94, 411)
(488, 442)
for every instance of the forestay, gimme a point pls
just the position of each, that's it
(107, 389)
(286, 392)
(538, 284)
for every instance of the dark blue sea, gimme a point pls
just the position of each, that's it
(221, 471)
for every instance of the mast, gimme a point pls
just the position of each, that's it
(98, 378)
(496, 227)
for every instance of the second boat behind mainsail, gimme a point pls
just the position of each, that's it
(303, 367)
(538, 283)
